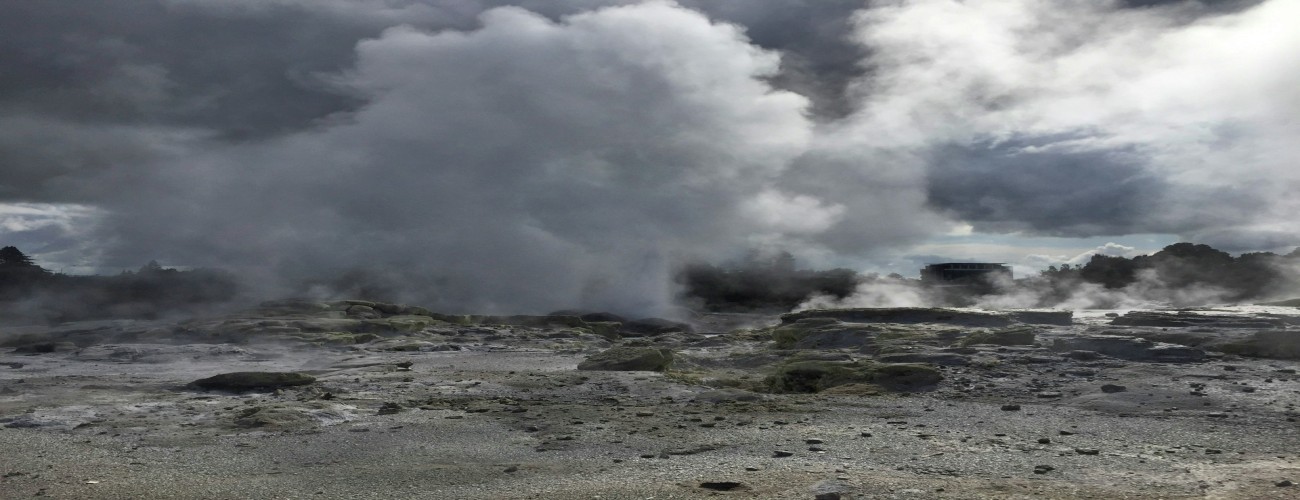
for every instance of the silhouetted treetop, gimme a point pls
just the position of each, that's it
(13, 257)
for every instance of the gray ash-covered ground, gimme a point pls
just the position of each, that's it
(400, 402)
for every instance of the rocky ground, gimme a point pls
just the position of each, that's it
(363, 400)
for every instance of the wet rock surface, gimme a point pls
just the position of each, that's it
(388, 400)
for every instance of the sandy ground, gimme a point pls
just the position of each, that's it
(502, 412)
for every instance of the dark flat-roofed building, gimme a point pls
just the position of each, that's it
(964, 272)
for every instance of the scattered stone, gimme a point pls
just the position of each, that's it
(1283, 483)
(1011, 407)
(1087, 451)
(1049, 395)
(782, 454)
(1113, 388)
(1044, 441)
(1043, 469)
(270, 417)
(389, 408)
(813, 441)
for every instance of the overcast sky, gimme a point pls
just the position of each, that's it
(535, 154)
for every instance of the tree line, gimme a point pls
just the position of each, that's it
(759, 283)
(29, 292)
(774, 283)
(1247, 276)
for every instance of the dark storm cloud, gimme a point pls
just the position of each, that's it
(1006, 188)
(538, 153)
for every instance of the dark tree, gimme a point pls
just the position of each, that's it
(12, 257)
(1111, 272)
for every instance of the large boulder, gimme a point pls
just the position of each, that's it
(1273, 344)
(817, 376)
(1184, 319)
(649, 327)
(1005, 337)
(1129, 348)
(629, 359)
(904, 315)
(964, 317)
(251, 381)
(930, 357)
(548, 321)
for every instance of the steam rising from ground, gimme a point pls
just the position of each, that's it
(562, 154)
(526, 165)
(1148, 291)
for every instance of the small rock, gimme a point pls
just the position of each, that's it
(813, 441)
(1283, 483)
(1113, 388)
(1043, 469)
(781, 454)
(1044, 441)
(1010, 407)
(1212, 451)
(1049, 395)
(389, 408)
(722, 485)
(1087, 451)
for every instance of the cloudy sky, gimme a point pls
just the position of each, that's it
(535, 154)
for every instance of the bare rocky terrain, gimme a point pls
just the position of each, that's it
(357, 399)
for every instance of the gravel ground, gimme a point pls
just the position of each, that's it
(505, 414)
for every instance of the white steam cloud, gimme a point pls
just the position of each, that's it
(571, 154)
(526, 165)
